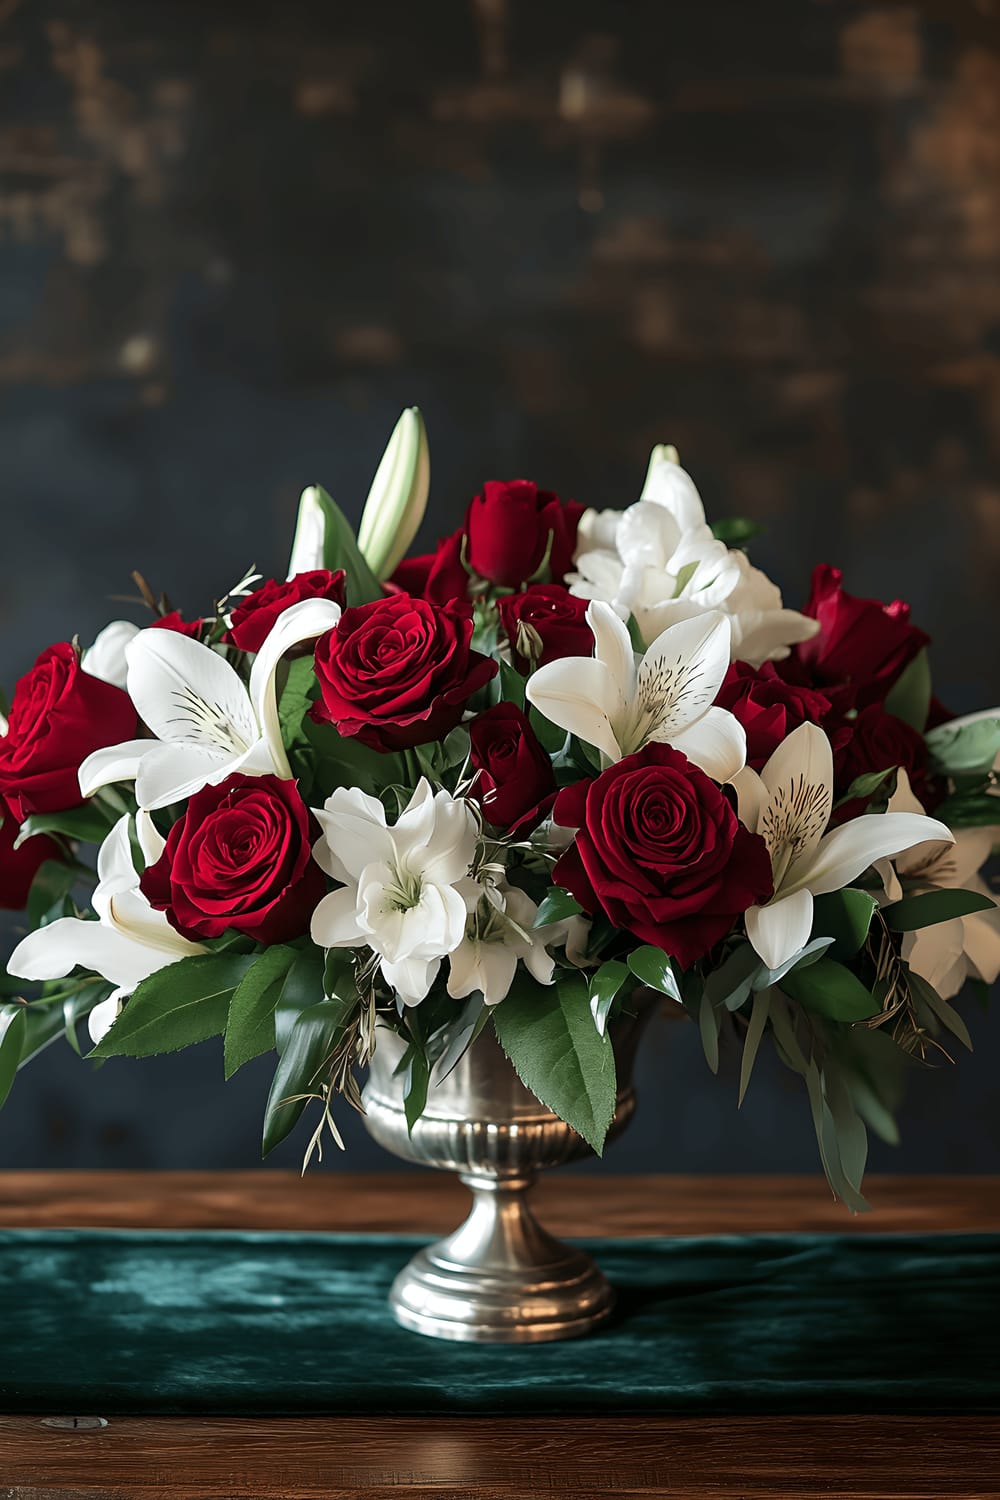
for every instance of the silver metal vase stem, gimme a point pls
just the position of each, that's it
(500, 1277)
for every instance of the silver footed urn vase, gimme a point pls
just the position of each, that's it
(500, 1277)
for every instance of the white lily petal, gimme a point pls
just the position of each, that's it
(335, 921)
(354, 834)
(844, 853)
(778, 930)
(171, 773)
(151, 841)
(751, 797)
(613, 647)
(309, 545)
(54, 951)
(103, 1016)
(303, 622)
(578, 694)
(188, 694)
(398, 496)
(106, 657)
(670, 485)
(799, 781)
(682, 671)
(116, 763)
(411, 978)
(717, 743)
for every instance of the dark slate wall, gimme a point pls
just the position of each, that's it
(236, 238)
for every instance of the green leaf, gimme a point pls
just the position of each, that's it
(12, 1029)
(548, 1033)
(635, 635)
(939, 1007)
(909, 698)
(549, 735)
(340, 760)
(933, 906)
(510, 685)
(604, 986)
(52, 884)
(556, 906)
(340, 550)
(87, 824)
(652, 967)
(417, 1079)
(970, 810)
(304, 985)
(751, 1042)
(970, 748)
(735, 530)
(731, 982)
(250, 1024)
(708, 1025)
(812, 951)
(866, 786)
(827, 989)
(296, 699)
(184, 1003)
(846, 916)
(308, 1045)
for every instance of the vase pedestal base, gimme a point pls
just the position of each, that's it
(500, 1278)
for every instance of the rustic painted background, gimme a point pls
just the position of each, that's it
(236, 238)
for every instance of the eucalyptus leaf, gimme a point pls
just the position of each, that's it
(548, 1033)
(731, 982)
(184, 1003)
(708, 1025)
(812, 951)
(930, 907)
(751, 1042)
(939, 1007)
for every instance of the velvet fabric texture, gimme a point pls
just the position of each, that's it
(206, 1322)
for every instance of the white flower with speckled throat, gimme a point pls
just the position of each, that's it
(618, 701)
(789, 805)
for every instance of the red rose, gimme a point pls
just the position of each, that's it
(768, 707)
(515, 785)
(254, 618)
(438, 576)
(399, 671)
(60, 714)
(543, 624)
(18, 867)
(509, 531)
(861, 642)
(509, 527)
(191, 628)
(877, 742)
(662, 852)
(240, 858)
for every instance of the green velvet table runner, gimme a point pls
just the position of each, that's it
(210, 1322)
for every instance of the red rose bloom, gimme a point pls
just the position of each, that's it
(399, 671)
(505, 540)
(877, 742)
(515, 786)
(254, 618)
(662, 852)
(18, 867)
(191, 628)
(768, 707)
(861, 642)
(548, 622)
(509, 527)
(60, 714)
(240, 858)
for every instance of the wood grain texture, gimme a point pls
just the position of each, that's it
(434, 1202)
(331, 1459)
(864, 1458)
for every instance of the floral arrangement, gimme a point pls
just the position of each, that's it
(567, 756)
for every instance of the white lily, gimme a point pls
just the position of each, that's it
(947, 953)
(659, 561)
(207, 723)
(106, 657)
(397, 499)
(406, 888)
(789, 805)
(498, 933)
(620, 702)
(128, 942)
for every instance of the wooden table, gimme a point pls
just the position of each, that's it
(147, 1458)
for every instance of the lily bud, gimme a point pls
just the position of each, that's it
(398, 496)
(309, 545)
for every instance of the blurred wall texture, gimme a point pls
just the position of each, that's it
(235, 239)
